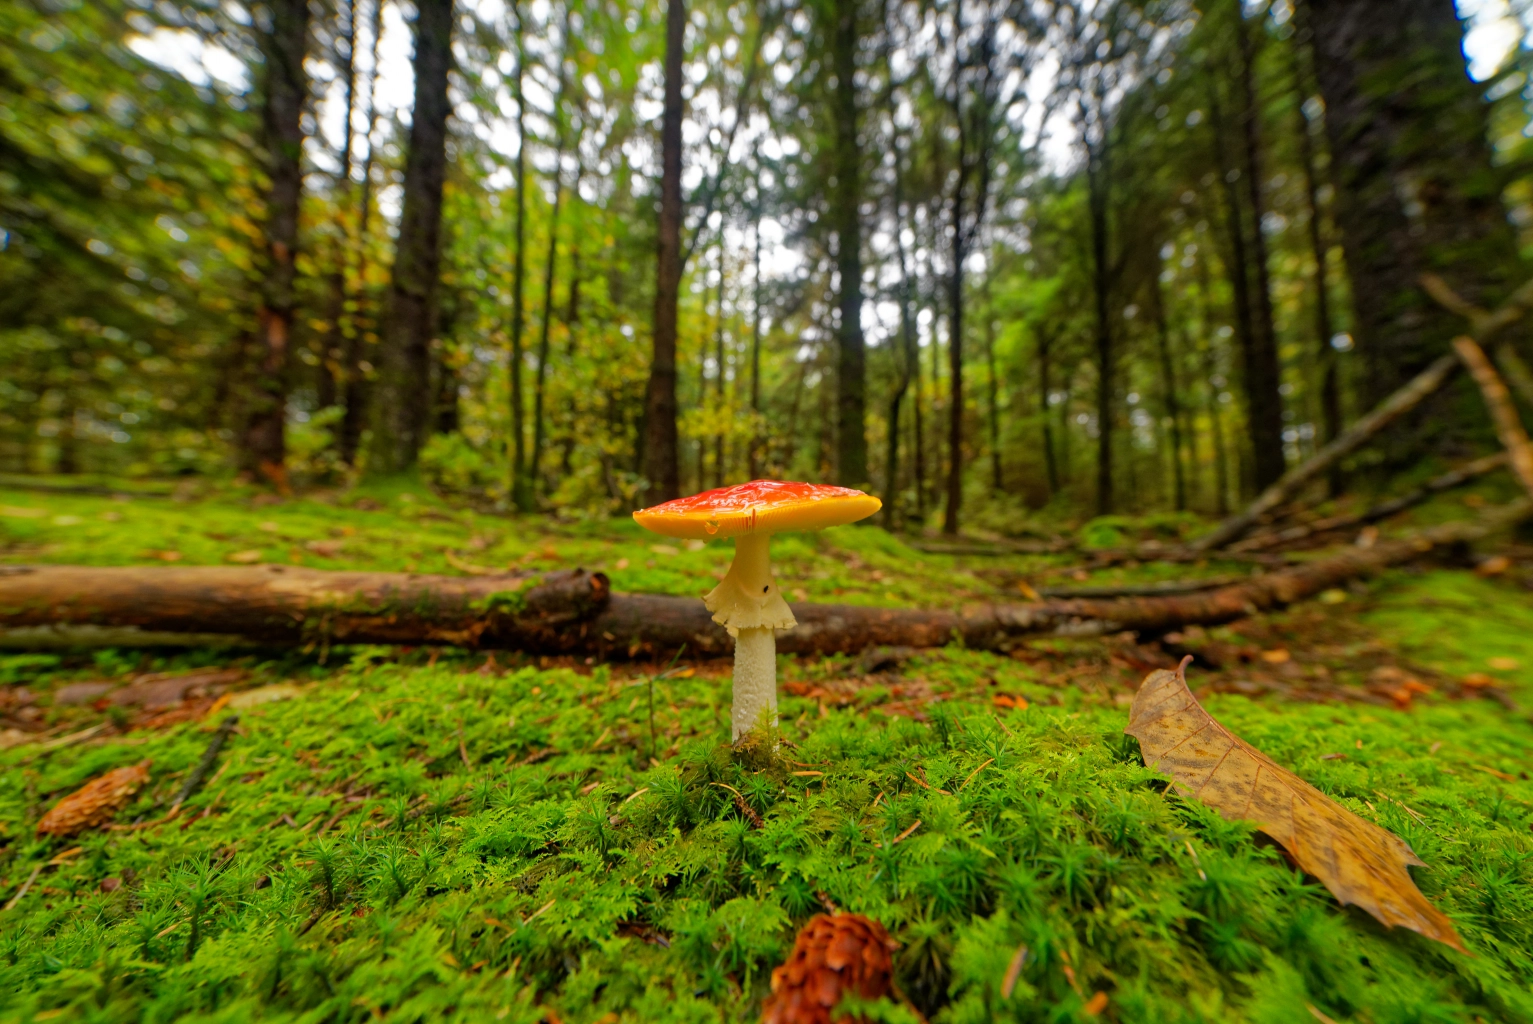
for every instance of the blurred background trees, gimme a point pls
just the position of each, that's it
(979, 256)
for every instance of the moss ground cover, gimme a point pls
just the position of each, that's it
(425, 835)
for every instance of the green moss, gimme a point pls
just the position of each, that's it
(508, 844)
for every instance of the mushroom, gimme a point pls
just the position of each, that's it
(747, 601)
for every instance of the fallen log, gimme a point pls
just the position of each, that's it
(573, 612)
(1383, 510)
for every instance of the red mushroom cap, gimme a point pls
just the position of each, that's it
(761, 506)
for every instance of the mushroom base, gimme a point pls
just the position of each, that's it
(755, 681)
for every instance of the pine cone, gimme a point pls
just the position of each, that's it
(833, 954)
(95, 803)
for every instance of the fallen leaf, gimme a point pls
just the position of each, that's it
(833, 955)
(95, 803)
(1006, 700)
(1276, 656)
(1360, 863)
(620, 564)
(1095, 1005)
(1488, 770)
(1503, 664)
(1478, 681)
(250, 557)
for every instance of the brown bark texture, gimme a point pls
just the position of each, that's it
(286, 87)
(1417, 188)
(403, 410)
(573, 611)
(662, 465)
(851, 353)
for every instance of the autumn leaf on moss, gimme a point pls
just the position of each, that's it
(95, 803)
(1359, 862)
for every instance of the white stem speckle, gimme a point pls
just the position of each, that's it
(755, 680)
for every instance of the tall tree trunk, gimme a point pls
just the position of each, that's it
(1417, 190)
(851, 373)
(996, 480)
(404, 398)
(955, 358)
(354, 392)
(1237, 263)
(332, 366)
(1263, 375)
(286, 88)
(1171, 403)
(661, 465)
(539, 420)
(1325, 354)
(1044, 341)
(718, 358)
(755, 441)
(1097, 183)
(521, 493)
(909, 350)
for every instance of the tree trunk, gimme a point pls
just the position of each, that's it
(851, 371)
(539, 421)
(997, 482)
(1097, 200)
(1044, 340)
(1417, 189)
(521, 494)
(332, 365)
(1325, 355)
(718, 358)
(1169, 390)
(661, 464)
(1263, 375)
(755, 441)
(909, 349)
(355, 391)
(284, 49)
(404, 397)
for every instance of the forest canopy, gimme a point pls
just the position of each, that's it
(977, 257)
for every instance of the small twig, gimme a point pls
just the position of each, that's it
(974, 773)
(25, 886)
(906, 834)
(199, 774)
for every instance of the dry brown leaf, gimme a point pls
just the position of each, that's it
(833, 955)
(95, 803)
(1359, 862)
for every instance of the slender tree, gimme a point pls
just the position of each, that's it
(404, 396)
(332, 354)
(539, 422)
(1263, 376)
(846, 212)
(354, 392)
(521, 493)
(285, 90)
(662, 469)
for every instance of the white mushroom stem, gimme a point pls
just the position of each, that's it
(755, 701)
(748, 604)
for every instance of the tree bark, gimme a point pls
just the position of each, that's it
(284, 48)
(1417, 188)
(404, 398)
(662, 467)
(573, 611)
(521, 494)
(355, 391)
(1325, 354)
(1044, 341)
(851, 353)
(539, 424)
(1101, 283)
(1169, 390)
(1263, 374)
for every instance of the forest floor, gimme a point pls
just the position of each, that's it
(425, 834)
